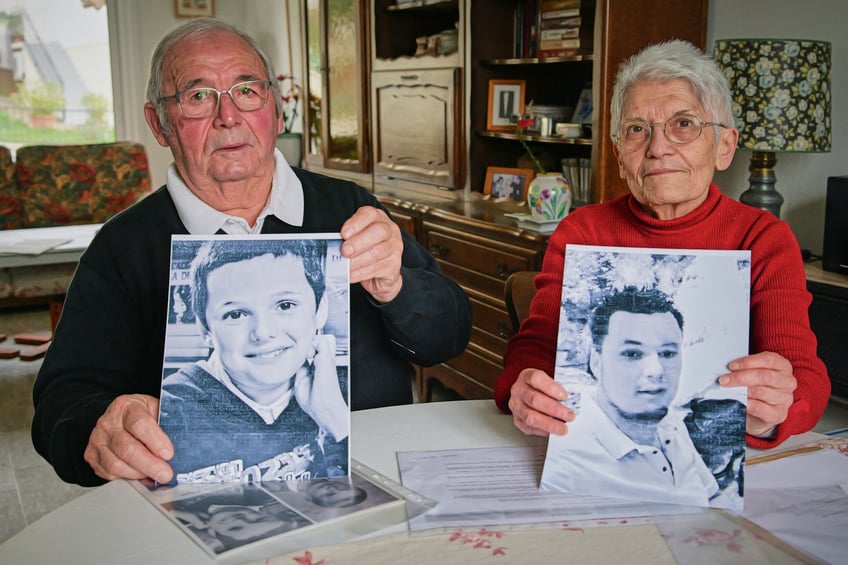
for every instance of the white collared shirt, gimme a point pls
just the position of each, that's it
(596, 457)
(285, 202)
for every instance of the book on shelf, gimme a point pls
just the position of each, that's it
(553, 53)
(558, 34)
(565, 28)
(553, 44)
(578, 173)
(554, 9)
(556, 14)
(557, 23)
(525, 28)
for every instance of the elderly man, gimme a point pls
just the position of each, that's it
(213, 101)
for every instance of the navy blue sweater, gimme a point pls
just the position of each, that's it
(110, 340)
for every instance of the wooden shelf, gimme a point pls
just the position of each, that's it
(424, 5)
(537, 138)
(540, 61)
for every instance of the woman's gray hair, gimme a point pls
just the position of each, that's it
(192, 29)
(669, 61)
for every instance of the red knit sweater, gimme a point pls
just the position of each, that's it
(779, 297)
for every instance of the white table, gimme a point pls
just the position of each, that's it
(76, 239)
(116, 524)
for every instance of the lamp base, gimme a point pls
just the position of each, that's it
(761, 192)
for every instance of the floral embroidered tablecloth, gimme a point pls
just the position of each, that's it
(708, 538)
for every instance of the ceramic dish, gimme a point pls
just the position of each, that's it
(528, 222)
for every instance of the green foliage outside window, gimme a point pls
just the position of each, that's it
(41, 98)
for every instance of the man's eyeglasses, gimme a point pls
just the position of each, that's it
(203, 102)
(680, 129)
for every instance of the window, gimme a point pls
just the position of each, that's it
(55, 78)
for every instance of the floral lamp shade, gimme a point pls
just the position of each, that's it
(781, 92)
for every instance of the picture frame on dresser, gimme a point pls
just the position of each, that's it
(506, 100)
(504, 182)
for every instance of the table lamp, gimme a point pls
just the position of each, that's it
(781, 103)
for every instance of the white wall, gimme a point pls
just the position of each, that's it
(801, 177)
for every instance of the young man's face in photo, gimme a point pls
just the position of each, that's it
(339, 493)
(640, 362)
(242, 522)
(262, 319)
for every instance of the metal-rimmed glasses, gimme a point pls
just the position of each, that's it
(202, 102)
(680, 130)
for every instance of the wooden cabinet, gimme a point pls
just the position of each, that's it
(375, 108)
(620, 29)
(417, 116)
(417, 94)
(477, 247)
(336, 121)
(399, 26)
(828, 313)
(422, 137)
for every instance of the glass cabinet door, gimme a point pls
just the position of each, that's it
(337, 84)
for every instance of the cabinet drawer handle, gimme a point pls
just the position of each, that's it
(408, 77)
(503, 270)
(438, 250)
(504, 331)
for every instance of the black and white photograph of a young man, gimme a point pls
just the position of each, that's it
(651, 423)
(255, 388)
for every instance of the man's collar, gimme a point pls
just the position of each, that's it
(286, 201)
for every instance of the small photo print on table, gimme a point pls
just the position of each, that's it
(506, 99)
(507, 183)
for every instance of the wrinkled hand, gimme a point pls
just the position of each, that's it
(535, 404)
(319, 393)
(127, 442)
(374, 246)
(770, 383)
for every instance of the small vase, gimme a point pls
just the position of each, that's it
(549, 197)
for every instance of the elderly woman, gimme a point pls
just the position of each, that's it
(672, 126)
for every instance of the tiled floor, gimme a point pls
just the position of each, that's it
(30, 489)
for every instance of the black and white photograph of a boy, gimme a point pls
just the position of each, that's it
(227, 518)
(267, 341)
(644, 334)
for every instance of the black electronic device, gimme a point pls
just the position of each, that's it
(835, 248)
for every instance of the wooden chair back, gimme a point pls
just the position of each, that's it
(518, 293)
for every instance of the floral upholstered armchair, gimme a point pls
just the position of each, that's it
(79, 184)
(11, 207)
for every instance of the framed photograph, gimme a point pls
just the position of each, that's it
(583, 109)
(506, 99)
(194, 8)
(508, 183)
